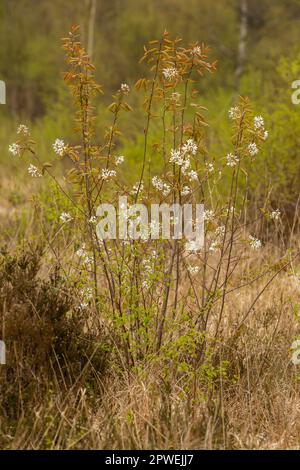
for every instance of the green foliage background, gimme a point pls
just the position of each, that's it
(32, 61)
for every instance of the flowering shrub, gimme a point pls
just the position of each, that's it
(160, 299)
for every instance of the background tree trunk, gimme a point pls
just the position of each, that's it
(242, 50)
(91, 28)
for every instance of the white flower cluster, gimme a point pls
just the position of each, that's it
(259, 124)
(106, 174)
(185, 166)
(86, 296)
(119, 160)
(232, 160)
(219, 234)
(208, 215)
(185, 191)
(148, 269)
(22, 129)
(139, 186)
(193, 175)
(82, 253)
(252, 149)
(220, 231)
(59, 147)
(193, 269)
(190, 147)
(255, 243)
(210, 167)
(148, 265)
(161, 185)
(181, 157)
(170, 73)
(234, 112)
(33, 171)
(93, 219)
(176, 157)
(275, 215)
(14, 149)
(65, 217)
(214, 245)
(125, 88)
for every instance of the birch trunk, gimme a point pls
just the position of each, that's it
(91, 28)
(242, 50)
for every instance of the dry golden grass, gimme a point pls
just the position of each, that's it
(254, 406)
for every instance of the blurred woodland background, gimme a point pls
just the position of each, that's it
(254, 41)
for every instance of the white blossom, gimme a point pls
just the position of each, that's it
(125, 88)
(22, 129)
(208, 215)
(119, 160)
(252, 148)
(220, 231)
(137, 187)
(59, 147)
(86, 296)
(82, 253)
(275, 215)
(93, 219)
(210, 167)
(213, 247)
(265, 135)
(193, 269)
(192, 175)
(87, 293)
(190, 147)
(83, 305)
(33, 171)
(161, 185)
(15, 149)
(106, 174)
(145, 284)
(185, 190)
(232, 160)
(255, 243)
(185, 166)
(65, 217)
(258, 122)
(176, 157)
(148, 266)
(170, 73)
(233, 112)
